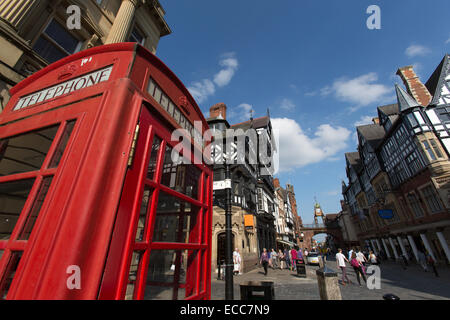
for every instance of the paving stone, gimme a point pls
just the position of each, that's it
(410, 284)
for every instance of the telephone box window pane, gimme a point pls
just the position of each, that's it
(182, 122)
(157, 95)
(32, 217)
(1, 254)
(167, 274)
(171, 108)
(164, 101)
(13, 196)
(146, 200)
(132, 275)
(153, 158)
(62, 144)
(176, 115)
(151, 87)
(183, 178)
(9, 274)
(175, 220)
(25, 152)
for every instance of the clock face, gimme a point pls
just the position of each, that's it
(317, 210)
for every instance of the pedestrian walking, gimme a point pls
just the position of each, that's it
(237, 262)
(357, 266)
(362, 260)
(373, 258)
(287, 259)
(264, 260)
(300, 255)
(294, 259)
(274, 257)
(350, 254)
(404, 261)
(432, 264)
(340, 260)
(281, 259)
(422, 260)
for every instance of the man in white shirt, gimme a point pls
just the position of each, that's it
(361, 257)
(340, 260)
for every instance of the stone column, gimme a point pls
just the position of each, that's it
(400, 241)
(393, 248)
(443, 244)
(15, 12)
(123, 22)
(413, 246)
(386, 248)
(427, 245)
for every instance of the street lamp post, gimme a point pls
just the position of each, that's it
(228, 236)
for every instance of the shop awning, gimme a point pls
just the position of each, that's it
(286, 242)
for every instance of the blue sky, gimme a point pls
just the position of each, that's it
(314, 64)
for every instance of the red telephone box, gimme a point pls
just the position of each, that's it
(92, 203)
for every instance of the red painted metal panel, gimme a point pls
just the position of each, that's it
(90, 213)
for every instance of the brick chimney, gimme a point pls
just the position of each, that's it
(218, 109)
(376, 120)
(414, 86)
(276, 183)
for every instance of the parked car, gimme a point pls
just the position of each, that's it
(313, 258)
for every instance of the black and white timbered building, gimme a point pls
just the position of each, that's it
(399, 180)
(253, 211)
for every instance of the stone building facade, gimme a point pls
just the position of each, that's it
(34, 33)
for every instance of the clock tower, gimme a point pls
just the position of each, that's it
(318, 213)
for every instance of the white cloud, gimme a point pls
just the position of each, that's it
(202, 90)
(240, 113)
(364, 120)
(448, 41)
(230, 66)
(333, 193)
(311, 94)
(417, 50)
(360, 91)
(287, 104)
(296, 149)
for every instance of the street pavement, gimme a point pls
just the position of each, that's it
(410, 284)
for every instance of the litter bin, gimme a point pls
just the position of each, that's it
(301, 268)
(257, 290)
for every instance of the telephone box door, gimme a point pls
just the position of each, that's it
(160, 245)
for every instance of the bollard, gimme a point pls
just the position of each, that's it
(328, 284)
(321, 262)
